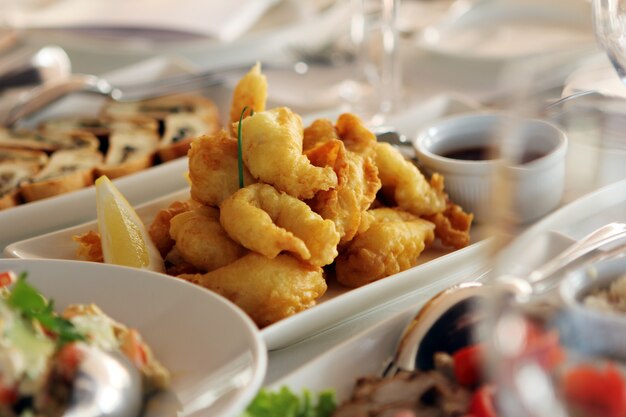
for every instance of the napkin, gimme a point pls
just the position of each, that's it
(223, 20)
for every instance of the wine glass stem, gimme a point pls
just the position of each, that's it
(374, 34)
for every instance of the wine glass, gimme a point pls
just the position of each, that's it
(374, 91)
(552, 353)
(609, 22)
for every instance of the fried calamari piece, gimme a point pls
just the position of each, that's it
(268, 222)
(357, 186)
(201, 240)
(452, 226)
(390, 245)
(272, 151)
(267, 289)
(213, 169)
(250, 92)
(89, 246)
(320, 131)
(405, 185)
(159, 230)
(355, 135)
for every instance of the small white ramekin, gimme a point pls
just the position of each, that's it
(537, 186)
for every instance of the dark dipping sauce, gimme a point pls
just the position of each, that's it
(481, 153)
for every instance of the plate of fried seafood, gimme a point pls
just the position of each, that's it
(301, 227)
(59, 315)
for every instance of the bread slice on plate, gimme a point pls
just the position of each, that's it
(38, 158)
(47, 141)
(99, 126)
(67, 170)
(160, 107)
(12, 174)
(180, 130)
(129, 151)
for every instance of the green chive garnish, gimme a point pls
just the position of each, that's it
(239, 151)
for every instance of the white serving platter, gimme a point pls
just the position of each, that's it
(215, 354)
(337, 305)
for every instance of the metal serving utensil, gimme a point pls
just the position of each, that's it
(448, 321)
(106, 385)
(27, 68)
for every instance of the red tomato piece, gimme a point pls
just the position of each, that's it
(7, 278)
(599, 392)
(468, 364)
(8, 395)
(544, 346)
(69, 357)
(482, 402)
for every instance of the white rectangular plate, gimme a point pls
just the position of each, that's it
(337, 305)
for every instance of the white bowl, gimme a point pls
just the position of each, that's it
(596, 331)
(214, 352)
(538, 184)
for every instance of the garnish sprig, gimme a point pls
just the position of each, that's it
(34, 306)
(239, 146)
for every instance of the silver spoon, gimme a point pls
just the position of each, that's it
(448, 321)
(106, 385)
(27, 68)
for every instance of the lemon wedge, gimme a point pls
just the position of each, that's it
(125, 239)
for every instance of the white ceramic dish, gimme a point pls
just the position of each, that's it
(337, 305)
(538, 184)
(486, 30)
(210, 348)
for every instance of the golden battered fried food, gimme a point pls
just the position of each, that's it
(251, 92)
(272, 151)
(320, 131)
(89, 246)
(390, 245)
(452, 226)
(201, 240)
(357, 186)
(405, 185)
(159, 230)
(213, 169)
(355, 135)
(268, 222)
(267, 289)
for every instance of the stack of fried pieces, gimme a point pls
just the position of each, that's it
(324, 201)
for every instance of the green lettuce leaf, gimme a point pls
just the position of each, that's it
(285, 403)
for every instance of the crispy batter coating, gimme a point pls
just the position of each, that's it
(320, 131)
(89, 246)
(251, 92)
(405, 185)
(268, 221)
(213, 169)
(452, 226)
(272, 151)
(201, 240)
(390, 245)
(357, 186)
(355, 135)
(267, 289)
(159, 229)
